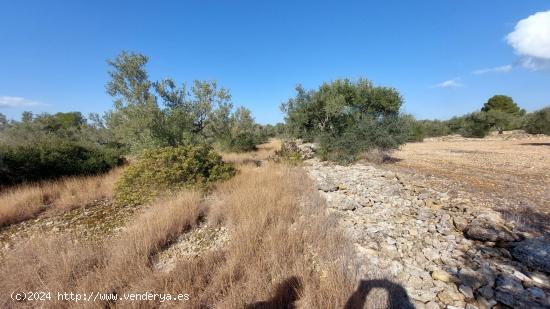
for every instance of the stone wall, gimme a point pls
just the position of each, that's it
(444, 250)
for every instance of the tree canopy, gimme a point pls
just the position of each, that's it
(156, 114)
(347, 117)
(502, 103)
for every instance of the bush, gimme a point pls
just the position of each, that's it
(243, 142)
(169, 169)
(417, 132)
(289, 153)
(434, 128)
(475, 125)
(348, 118)
(52, 158)
(538, 122)
(367, 134)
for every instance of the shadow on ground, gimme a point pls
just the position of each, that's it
(535, 144)
(288, 291)
(528, 217)
(397, 296)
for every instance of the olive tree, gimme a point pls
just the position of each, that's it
(347, 117)
(155, 114)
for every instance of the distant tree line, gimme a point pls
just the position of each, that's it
(49, 146)
(499, 113)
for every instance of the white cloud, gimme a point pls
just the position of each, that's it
(531, 41)
(451, 83)
(535, 63)
(7, 101)
(501, 69)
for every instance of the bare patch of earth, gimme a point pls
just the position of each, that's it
(190, 245)
(509, 173)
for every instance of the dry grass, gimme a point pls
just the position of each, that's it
(283, 247)
(263, 152)
(27, 201)
(58, 264)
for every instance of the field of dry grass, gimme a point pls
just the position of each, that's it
(283, 249)
(513, 172)
(29, 200)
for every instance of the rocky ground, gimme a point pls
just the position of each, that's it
(447, 248)
(91, 222)
(192, 244)
(511, 171)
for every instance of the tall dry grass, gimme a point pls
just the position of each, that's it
(66, 265)
(282, 234)
(263, 152)
(284, 250)
(27, 201)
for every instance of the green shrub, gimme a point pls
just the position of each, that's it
(348, 118)
(292, 158)
(434, 128)
(455, 124)
(475, 125)
(165, 170)
(289, 153)
(243, 142)
(417, 132)
(366, 134)
(52, 158)
(538, 122)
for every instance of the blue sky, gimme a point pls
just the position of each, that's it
(445, 57)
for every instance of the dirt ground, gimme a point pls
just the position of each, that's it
(511, 172)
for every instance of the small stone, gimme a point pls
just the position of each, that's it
(508, 283)
(324, 183)
(450, 296)
(422, 296)
(431, 254)
(340, 201)
(486, 230)
(460, 223)
(521, 276)
(536, 293)
(471, 278)
(466, 291)
(415, 282)
(540, 280)
(488, 274)
(486, 291)
(430, 203)
(441, 275)
(431, 305)
(484, 303)
(505, 298)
